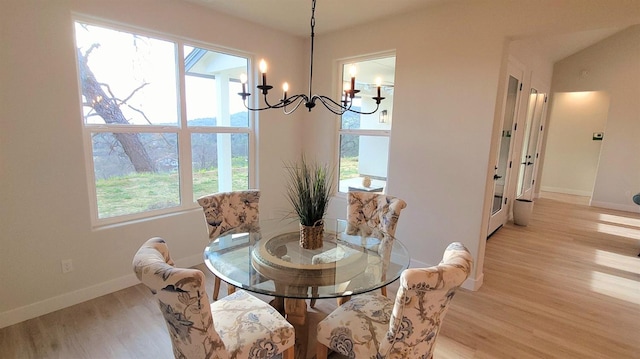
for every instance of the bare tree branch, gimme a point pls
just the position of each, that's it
(104, 104)
(134, 92)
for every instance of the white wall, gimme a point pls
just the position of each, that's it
(612, 66)
(44, 210)
(449, 64)
(571, 160)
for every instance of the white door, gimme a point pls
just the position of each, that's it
(503, 165)
(528, 165)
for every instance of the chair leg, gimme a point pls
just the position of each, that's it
(384, 291)
(314, 293)
(289, 353)
(342, 300)
(321, 351)
(216, 287)
(230, 289)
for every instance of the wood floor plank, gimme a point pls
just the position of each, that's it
(566, 286)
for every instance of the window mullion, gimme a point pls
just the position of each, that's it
(386, 133)
(219, 129)
(131, 129)
(184, 135)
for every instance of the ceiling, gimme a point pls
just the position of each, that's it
(557, 47)
(293, 17)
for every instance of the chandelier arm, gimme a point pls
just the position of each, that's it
(269, 106)
(266, 102)
(290, 100)
(365, 113)
(331, 105)
(302, 99)
(254, 109)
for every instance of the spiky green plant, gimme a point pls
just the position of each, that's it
(309, 189)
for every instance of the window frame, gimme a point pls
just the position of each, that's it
(182, 131)
(358, 132)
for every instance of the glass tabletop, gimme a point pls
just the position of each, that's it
(271, 261)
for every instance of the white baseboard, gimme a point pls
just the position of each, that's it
(473, 284)
(65, 300)
(620, 207)
(49, 305)
(566, 191)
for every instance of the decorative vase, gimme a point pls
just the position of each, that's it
(311, 236)
(366, 182)
(522, 209)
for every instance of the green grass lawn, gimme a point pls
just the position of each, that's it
(148, 191)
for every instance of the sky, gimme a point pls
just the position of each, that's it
(125, 62)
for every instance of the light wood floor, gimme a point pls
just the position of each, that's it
(565, 286)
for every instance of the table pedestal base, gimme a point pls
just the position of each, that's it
(295, 311)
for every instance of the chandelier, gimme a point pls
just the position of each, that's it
(291, 103)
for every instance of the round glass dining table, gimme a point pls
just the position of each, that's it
(270, 260)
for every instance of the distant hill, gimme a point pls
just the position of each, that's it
(239, 119)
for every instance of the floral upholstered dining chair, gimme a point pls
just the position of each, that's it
(374, 326)
(231, 212)
(370, 213)
(228, 213)
(375, 215)
(238, 326)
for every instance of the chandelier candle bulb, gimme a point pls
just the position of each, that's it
(285, 88)
(352, 71)
(378, 84)
(263, 70)
(346, 94)
(243, 80)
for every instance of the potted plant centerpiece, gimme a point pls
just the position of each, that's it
(309, 189)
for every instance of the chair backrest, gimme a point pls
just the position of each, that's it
(370, 213)
(231, 212)
(183, 301)
(422, 302)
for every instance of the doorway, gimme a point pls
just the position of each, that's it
(577, 123)
(502, 167)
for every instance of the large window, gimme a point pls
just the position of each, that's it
(364, 139)
(162, 122)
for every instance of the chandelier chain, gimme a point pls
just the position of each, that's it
(313, 35)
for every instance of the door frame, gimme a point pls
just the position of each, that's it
(496, 220)
(539, 123)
